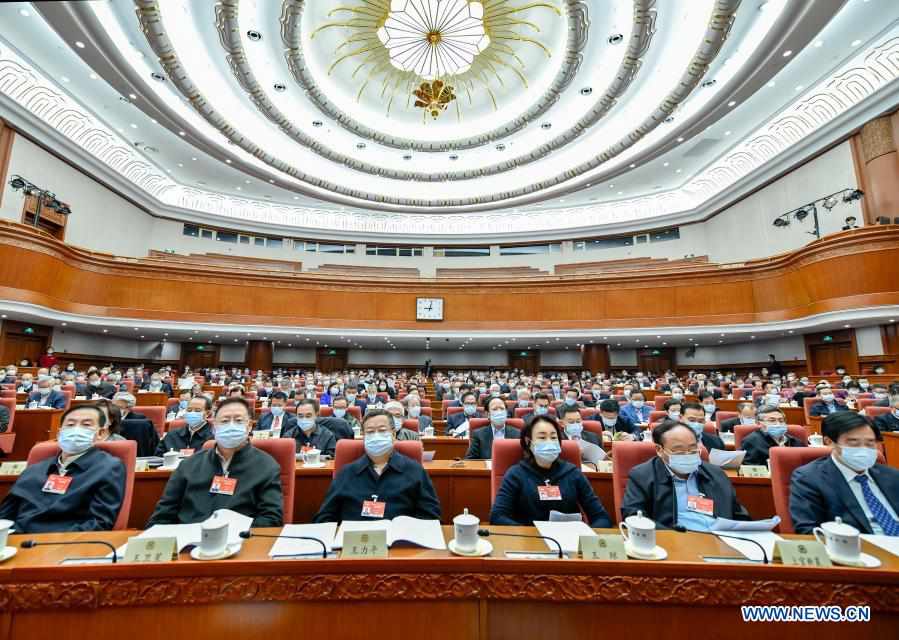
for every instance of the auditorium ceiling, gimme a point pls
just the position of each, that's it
(443, 118)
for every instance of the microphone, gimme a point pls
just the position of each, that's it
(682, 529)
(248, 534)
(484, 533)
(29, 544)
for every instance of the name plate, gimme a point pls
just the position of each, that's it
(602, 547)
(151, 550)
(141, 465)
(605, 466)
(262, 435)
(802, 553)
(364, 544)
(12, 468)
(753, 471)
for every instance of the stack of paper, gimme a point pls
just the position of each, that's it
(424, 533)
(567, 533)
(727, 459)
(723, 524)
(887, 543)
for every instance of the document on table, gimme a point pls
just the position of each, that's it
(751, 551)
(285, 547)
(427, 456)
(567, 533)
(727, 459)
(887, 543)
(725, 525)
(591, 453)
(424, 533)
(191, 534)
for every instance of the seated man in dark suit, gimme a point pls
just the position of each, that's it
(661, 487)
(195, 433)
(707, 400)
(541, 406)
(574, 427)
(827, 403)
(695, 417)
(613, 422)
(401, 485)
(126, 402)
(277, 418)
(480, 446)
(889, 421)
(96, 389)
(156, 385)
(196, 488)
(772, 434)
(747, 415)
(80, 490)
(469, 411)
(881, 394)
(45, 396)
(338, 426)
(308, 432)
(848, 483)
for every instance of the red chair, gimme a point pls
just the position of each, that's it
(743, 430)
(627, 455)
(593, 426)
(8, 393)
(171, 405)
(659, 402)
(156, 415)
(410, 423)
(721, 416)
(507, 453)
(283, 450)
(657, 416)
(174, 425)
(587, 413)
(477, 423)
(69, 394)
(8, 437)
(124, 450)
(783, 461)
(864, 403)
(873, 412)
(351, 450)
(325, 411)
(354, 410)
(451, 410)
(518, 423)
(807, 406)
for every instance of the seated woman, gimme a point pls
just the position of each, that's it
(541, 482)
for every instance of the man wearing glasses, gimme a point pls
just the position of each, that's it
(231, 475)
(382, 483)
(772, 434)
(80, 490)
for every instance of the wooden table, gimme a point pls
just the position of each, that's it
(32, 426)
(430, 593)
(151, 399)
(446, 448)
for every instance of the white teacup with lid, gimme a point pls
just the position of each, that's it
(639, 532)
(842, 540)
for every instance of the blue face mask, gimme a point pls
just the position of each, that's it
(609, 422)
(574, 430)
(230, 435)
(522, 403)
(351, 398)
(470, 409)
(541, 411)
(193, 418)
(498, 418)
(547, 451)
(776, 431)
(306, 424)
(697, 427)
(684, 463)
(182, 404)
(339, 413)
(571, 401)
(378, 444)
(859, 458)
(277, 411)
(397, 423)
(75, 440)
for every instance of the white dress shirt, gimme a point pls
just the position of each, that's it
(849, 474)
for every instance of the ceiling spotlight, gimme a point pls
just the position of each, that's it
(853, 195)
(158, 77)
(708, 83)
(408, 156)
(802, 214)
(546, 126)
(669, 119)
(254, 35)
(360, 145)
(830, 203)
(586, 91)
(500, 147)
(317, 123)
(616, 38)
(781, 222)
(454, 157)
(79, 44)
(280, 86)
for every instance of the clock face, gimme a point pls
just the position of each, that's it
(429, 309)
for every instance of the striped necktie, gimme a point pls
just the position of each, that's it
(880, 513)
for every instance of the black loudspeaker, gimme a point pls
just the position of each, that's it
(896, 220)
(883, 220)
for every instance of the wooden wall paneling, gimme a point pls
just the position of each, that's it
(890, 336)
(7, 136)
(823, 354)
(199, 356)
(259, 355)
(595, 358)
(21, 340)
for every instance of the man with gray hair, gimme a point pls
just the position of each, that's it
(125, 402)
(46, 396)
(772, 434)
(395, 409)
(413, 410)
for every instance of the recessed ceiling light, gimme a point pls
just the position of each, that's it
(228, 160)
(63, 324)
(254, 35)
(317, 123)
(500, 147)
(709, 83)
(799, 87)
(454, 157)
(727, 133)
(239, 188)
(855, 43)
(665, 164)
(194, 159)
(408, 156)
(546, 126)
(847, 326)
(182, 133)
(158, 77)
(788, 53)
(296, 197)
(105, 330)
(621, 193)
(819, 43)
(680, 139)
(24, 13)
(79, 44)
(633, 166)
(280, 86)
(93, 76)
(586, 91)
(678, 170)
(133, 126)
(772, 84)
(732, 103)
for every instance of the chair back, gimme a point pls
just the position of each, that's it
(627, 455)
(410, 423)
(593, 426)
(124, 450)
(156, 415)
(721, 416)
(507, 453)
(743, 430)
(873, 412)
(8, 437)
(351, 450)
(783, 461)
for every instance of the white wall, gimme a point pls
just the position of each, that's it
(233, 353)
(290, 355)
(785, 349)
(72, 341)
(746, 229)
(100, 220)
(869, 341)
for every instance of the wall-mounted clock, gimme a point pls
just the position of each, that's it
(429, 309)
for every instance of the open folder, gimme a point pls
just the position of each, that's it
(424, 533)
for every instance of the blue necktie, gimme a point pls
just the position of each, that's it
(880, 513)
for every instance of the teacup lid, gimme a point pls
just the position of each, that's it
(640, 521)
(840, 528)
(466, 518)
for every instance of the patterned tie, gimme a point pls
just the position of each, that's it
(881, 515)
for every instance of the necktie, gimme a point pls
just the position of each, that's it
(277, 424)
(880, 513)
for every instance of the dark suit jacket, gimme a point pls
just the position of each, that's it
(887, 422)
(820, 409)
(132, 415)
(104, 390)
(56, 399)
(711, 441)
(730, 424)
(454, 420)
(338, 426)
(650, 489)
(166, 387)
(288, 422)
(480, 446)
(757, 443)
(819, 493)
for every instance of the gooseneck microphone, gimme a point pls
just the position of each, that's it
(682, 529)
(249, 534)
(485, 533)
(28, 544)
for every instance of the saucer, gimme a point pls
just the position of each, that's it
(484, 548)
(7, 553)
(864, 560)
(657, 554)
(229, 551)
(314, 466)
